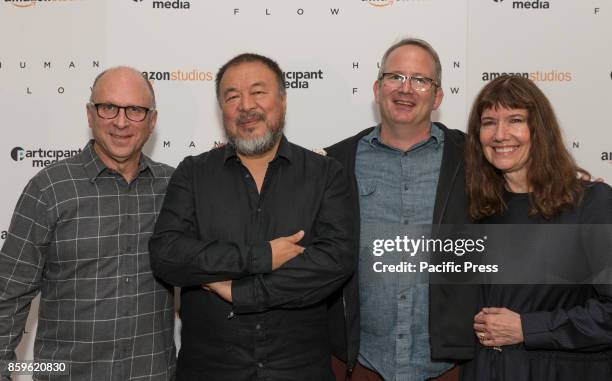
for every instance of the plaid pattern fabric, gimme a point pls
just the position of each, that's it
(79, 235)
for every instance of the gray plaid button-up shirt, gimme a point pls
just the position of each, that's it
(79, 235)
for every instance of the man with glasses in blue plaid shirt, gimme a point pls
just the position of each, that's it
(79, 236)
(407, 170)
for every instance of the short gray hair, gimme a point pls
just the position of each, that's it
(415, 42)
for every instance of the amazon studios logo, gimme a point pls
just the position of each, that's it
(31, 3)
(42, 157)
(386, 3)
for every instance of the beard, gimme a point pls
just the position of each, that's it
(256, 145)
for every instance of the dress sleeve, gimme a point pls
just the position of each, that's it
(588, 327)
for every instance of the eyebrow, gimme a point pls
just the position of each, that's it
(509, 116)
(417, 74)
(229, 90)
(262, 84)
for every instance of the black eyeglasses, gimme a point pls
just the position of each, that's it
(110, 111)
(417, 82)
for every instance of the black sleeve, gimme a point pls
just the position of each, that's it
(321, 269)
(180, 258)
(588, 327)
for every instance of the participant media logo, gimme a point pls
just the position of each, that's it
(42, 157)
(168, 4)
(527, 4)
(301, 79)
(176, 4)
(18, 153)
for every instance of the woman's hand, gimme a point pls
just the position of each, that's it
(495, 327)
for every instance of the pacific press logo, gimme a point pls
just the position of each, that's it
(42, 157)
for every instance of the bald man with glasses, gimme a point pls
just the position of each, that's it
(79, 236)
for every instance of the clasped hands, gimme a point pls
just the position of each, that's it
(283, 250)
(496, 327)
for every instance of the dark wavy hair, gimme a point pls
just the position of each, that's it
(551, 170)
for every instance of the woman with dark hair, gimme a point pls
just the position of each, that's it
(518, 171)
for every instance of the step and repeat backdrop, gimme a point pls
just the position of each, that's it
(51, 50)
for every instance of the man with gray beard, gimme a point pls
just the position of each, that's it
(258, 233)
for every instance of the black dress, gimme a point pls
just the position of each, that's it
(567, 329)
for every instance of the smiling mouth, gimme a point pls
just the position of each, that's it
(404, 103)
(115, 136)
(505, 149)
(248, 122)
(247, 119)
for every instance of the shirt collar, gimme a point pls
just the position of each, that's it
(284, 151)
(94, 166)
(436, 135)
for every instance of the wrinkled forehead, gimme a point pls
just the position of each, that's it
(246, 75)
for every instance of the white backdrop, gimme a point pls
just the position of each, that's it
(51, 50)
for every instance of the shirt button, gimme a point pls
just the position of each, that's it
(400, 336)
(403, 297)
(405, 187)
(406, 222)
(258, 210)
(258, 326)
(127, 280)
(247, 176)
(260, 364)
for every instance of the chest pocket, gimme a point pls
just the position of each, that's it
(367, 188)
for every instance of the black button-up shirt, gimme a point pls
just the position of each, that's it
(214, 225)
